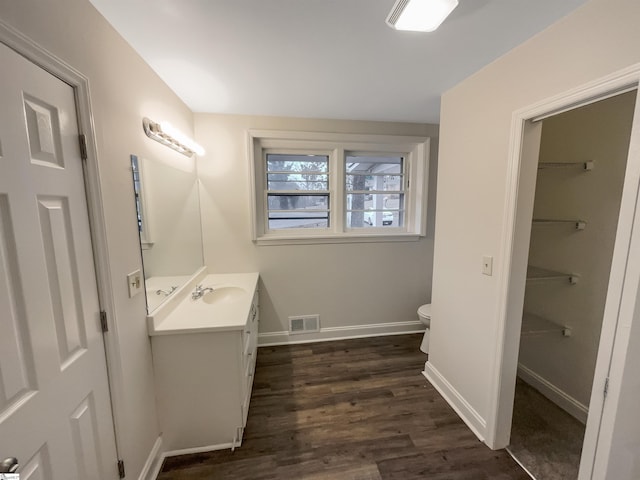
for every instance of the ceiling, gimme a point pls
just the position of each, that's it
(320, 58)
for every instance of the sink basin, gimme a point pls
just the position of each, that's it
(223, 293)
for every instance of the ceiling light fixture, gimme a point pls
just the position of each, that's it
(171, 137)
(420, 15)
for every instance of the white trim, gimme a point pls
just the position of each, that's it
(573, 407)
(153, 465)
(613, 84)
(269, 339)
(510, 282)
(157, 458)
(207, 448)
(348, 238)
(334, 137)
(621, 311)
(583, 102)
(520, 463)
(57, 67)
(416, 151)
(507, 340)
(465, 411)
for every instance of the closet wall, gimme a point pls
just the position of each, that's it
(562, 366)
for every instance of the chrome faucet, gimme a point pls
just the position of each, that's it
(199, 292)
(166, 293)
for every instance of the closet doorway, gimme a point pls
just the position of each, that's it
(578, 189)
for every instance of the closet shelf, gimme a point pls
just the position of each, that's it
(535, 274)
(578, 224)
(535, 325)
(586, 166)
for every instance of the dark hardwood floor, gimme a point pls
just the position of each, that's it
(349, 410)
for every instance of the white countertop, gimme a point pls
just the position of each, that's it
(153, 284)
(229, 310)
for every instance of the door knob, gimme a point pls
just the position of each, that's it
(9, 465)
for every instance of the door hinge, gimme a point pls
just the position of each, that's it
(103, 321)
(121, 468)
(82, 140)
(606, 387)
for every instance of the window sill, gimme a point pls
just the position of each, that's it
(346, 238)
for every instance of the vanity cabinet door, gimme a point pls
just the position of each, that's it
(250, 342)
(198, 388)
(204, 382)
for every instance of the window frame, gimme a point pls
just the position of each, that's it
(265, 209)
(406, 191)
(336, 146)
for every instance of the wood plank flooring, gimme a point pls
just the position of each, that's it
(348, 410)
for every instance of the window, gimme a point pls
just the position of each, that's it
(318, 187)
(297, 191)
(375, 191)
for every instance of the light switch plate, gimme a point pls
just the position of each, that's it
(487, 265)
(134, 280)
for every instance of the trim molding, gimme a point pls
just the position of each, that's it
(154, 462)
(152, 466)
(506, 340)
(465, 411)
(515, 459)
(565, 401)
(269, 339)
(207, 448)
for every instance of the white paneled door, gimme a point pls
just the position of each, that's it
(55, 413)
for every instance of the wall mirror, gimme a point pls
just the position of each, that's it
(168, 210)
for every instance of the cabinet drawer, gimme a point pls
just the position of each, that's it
(250, 333)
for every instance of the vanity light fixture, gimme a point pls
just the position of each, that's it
(167, 135)
(420, 15)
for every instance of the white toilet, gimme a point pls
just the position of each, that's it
(424, 313)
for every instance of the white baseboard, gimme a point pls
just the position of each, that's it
(208, 448)
(465, 411)
(156, 458)
(153, 464)
(340, 333)
(565, 401)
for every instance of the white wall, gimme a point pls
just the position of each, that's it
(597, 39)
(123, 90)
(599, 132)
(347, 284)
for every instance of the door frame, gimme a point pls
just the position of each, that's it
(515, 236)
(37, 55)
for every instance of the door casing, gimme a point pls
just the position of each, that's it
(521, 177)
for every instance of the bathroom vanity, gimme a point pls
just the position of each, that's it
(204, 354)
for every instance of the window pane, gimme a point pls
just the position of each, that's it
(297, 181)
(375, 201)
(375, 164)
(374, 173)
(368, 219)
(298, 219)
(374, 182)
(306, 174)
(277, 201)
(375, 210)
(297, 163)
